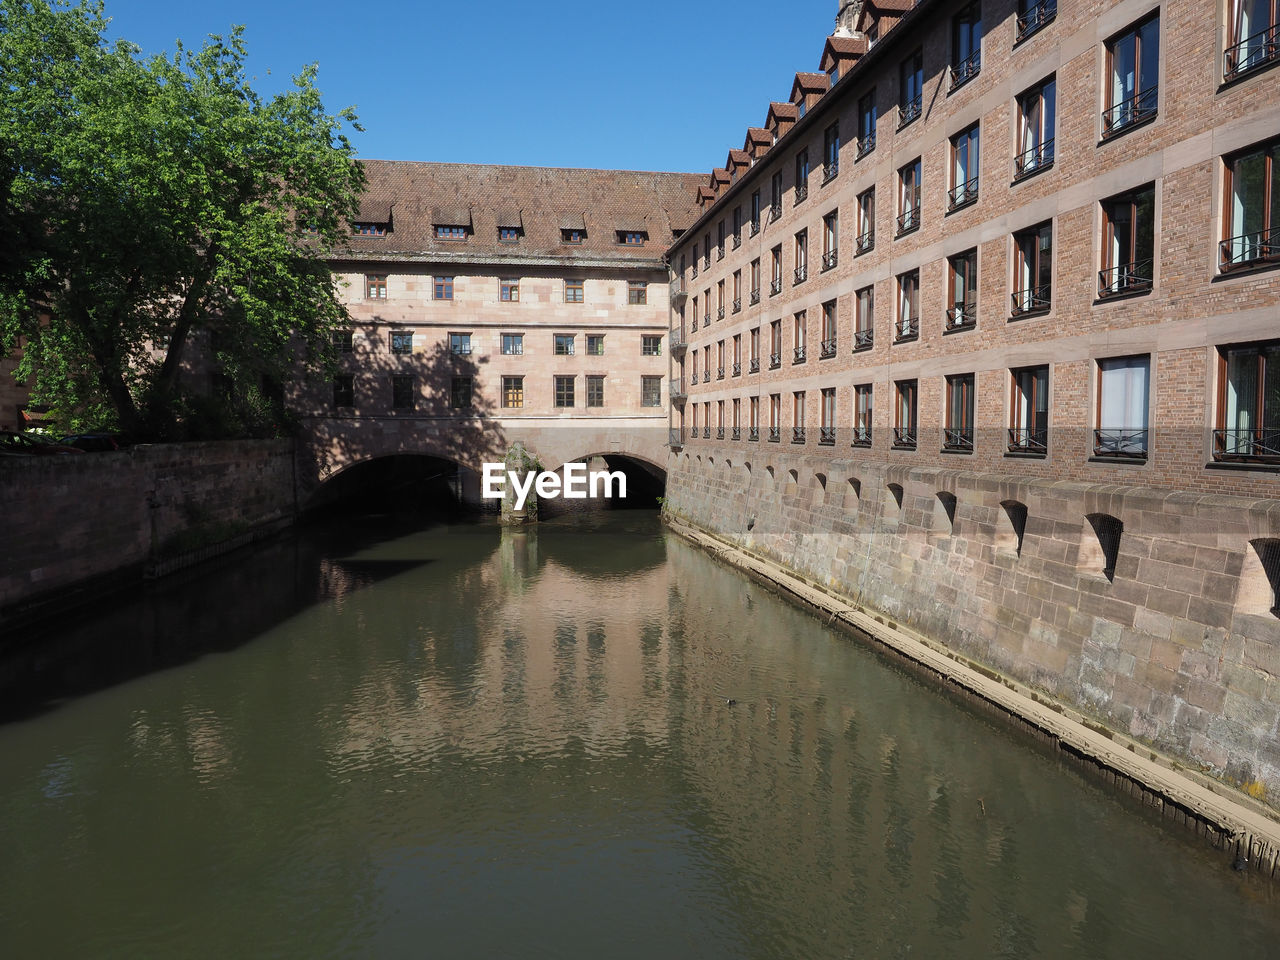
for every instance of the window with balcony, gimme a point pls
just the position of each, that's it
(737, 419)
(1253, 208)
(1128, 243)
(1133, 75)
(737, 227)
(866, 221)
(562, 344)
(797, 417)
(564, 391)
(827, 432)
(775, 196)
(375, 286)
(862, 415)
(754, 360)
(1121, 430)
(966, 45)
(904, 415)
(344, 391)
(799, 337)
(720, 235)
(443, 288)
(909, 197)
(1029, 411)
(737, 291)
(867, 123)
(573, 291)
(1253, 37)
(509, 290)
(512, 344)
(720, 360)
(737, 355)
(962, 291)
(802, 175)
(595, 390)
(910, 88)
(459, 344)
(830, 152)
(460, 389)
(512, 392)
(1032, 270)
(775, 344)
(775, 417)
(402, 392)
(753, 427)
(864, 319)
(908, 322)
(964, 169)
(957, 433)
(755, 281)
(775, 256)
(720, 300)
(802, 257)
(828, 330)
(830, 240)
(755, 212)
(1248, 421)
(1037, 110)
(706, 251)
(706, 363)
(1032, 17)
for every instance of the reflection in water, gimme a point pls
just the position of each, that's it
(467, 741)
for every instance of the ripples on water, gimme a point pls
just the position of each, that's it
(464, 742)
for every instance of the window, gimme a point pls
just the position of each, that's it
(775, 195)
(595, 391)
(797, 417)
(460, 393)
(827, 432)
(1036, 117)
(402, 341)
(1248, 403)
(755, 213)
(1128, 243)
(865, 319)
(828, 330)
(862, 415)
(775, 287)
(512, 392)
(375, 286)
(564, 391)
(459, 344)
(637, 292)
(719, 359)
(706, 251)
(830, 152)
(1253, 35)
(344, 391)
(799, 336)
(753, 426)
(706, 363)
(706, 307)
(1253, 208)
(754, 360)
(1033, 15)
(737, 291)
(830, 240)
(911, 88)
(1133, 68)
(402, 393)
(563, 344)
(908, 326)
(904, 418)
(867, 123)
(720, 300)
(1033, 270)
(775, 344)
(508, 234)
(513, 344)
(443, 288)
(1122, 407)
(449, 232)
(866, 221)
(909, 197)
(650, 345)
(572, 235)
(650, 391)
(737, 227)
(964, 169)
(957, 435)
(720, 234)
(737, 419)
(802, 256)
(737, 354)
(573, 290)
(802, 175)
(966, 45)
(962, 293)
(595, 344)
(1029, 410)
(342, 342)
(369, 229)
(509, 290)
(775, 417)
(755, 281)
(633, 238)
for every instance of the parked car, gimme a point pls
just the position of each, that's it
(33, 445)
(92, 442)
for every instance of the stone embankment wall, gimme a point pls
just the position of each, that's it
(1152, 611)
(71, 521)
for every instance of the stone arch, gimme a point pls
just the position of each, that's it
(461, 479)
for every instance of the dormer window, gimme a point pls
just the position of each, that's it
(800, 107)
(572, 236)
(509, 234)
(450, 232)
(369, 229)
(633, 238)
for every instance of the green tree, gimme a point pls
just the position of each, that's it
(144, 200)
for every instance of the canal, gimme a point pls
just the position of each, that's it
(587, 739)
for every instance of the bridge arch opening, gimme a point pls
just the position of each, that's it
(401, 483)
(645, 483)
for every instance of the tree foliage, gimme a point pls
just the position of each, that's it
(149, 203)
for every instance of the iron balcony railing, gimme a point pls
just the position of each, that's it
(706, 319)
(775, 434)
(676, 389)
(1125, 114)
(801, 274)
(677, 339)
(826, 436)
(775, 286)
(864, 339)
(1039, 157)
(677, 292)
(828, 349)
(962, 315)
(755, 296)
(1126, 278)
(797, 434)
(753, 434)
(1249, 248)
(736, 434)
(737, 240)
(904, 438)
(675, 437)
(830, 170)
(719, 373)
(719, 433)
(1125, 442)
(861, 437)
(706, 432)
(775, 360)
(720, 251)
(706, 376)
(908, 328)
(775, 211)
(737, 305)
(693, 268)
(802, 191)
(755, 227)
(737, 368)
(1036, 17)
(706, 260)
(1260, 444)
(830, 259)
(720, 313)
(910, 111)
(799, 355)
(866, 145)
(1027, 440)
(1251, 53)
(966, 69)
(864, 242)
(957, 438)
(1031, 300)
(963, 194)
(909, 219)
(754, 366)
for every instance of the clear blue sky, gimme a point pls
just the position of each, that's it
(650, 85)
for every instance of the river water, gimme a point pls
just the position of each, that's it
(374, 740)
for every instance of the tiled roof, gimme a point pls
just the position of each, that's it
(415, 197)
(845, 46)
(759, 135)
(784, 111)
(811, 81)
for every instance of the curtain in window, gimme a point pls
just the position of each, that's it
(1122, 416)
